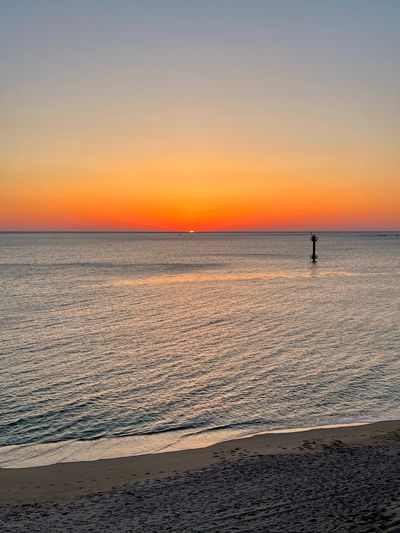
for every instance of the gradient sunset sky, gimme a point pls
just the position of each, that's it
(202, 115)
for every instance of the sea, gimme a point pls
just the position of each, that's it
(116, 344)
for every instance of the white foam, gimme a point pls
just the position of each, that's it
(32, 455)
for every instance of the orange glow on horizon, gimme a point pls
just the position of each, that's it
(199, 193)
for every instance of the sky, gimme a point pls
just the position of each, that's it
(199, 115)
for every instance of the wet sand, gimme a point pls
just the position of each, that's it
(336, 479)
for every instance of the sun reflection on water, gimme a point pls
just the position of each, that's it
(201, 278)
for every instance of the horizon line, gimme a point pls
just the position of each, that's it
(191, 232)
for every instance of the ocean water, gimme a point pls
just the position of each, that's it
(116, 344)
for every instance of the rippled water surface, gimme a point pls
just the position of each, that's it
(176, 340)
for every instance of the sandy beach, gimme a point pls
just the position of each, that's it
(326, 479)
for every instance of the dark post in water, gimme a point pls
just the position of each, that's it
(314, 256)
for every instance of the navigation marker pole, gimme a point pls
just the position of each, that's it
(314, 256)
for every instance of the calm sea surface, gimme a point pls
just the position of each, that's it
(113, 344)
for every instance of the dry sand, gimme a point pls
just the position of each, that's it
(336, 479)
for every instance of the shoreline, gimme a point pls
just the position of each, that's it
(33, 455)
(66, 481)
(331, 479)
